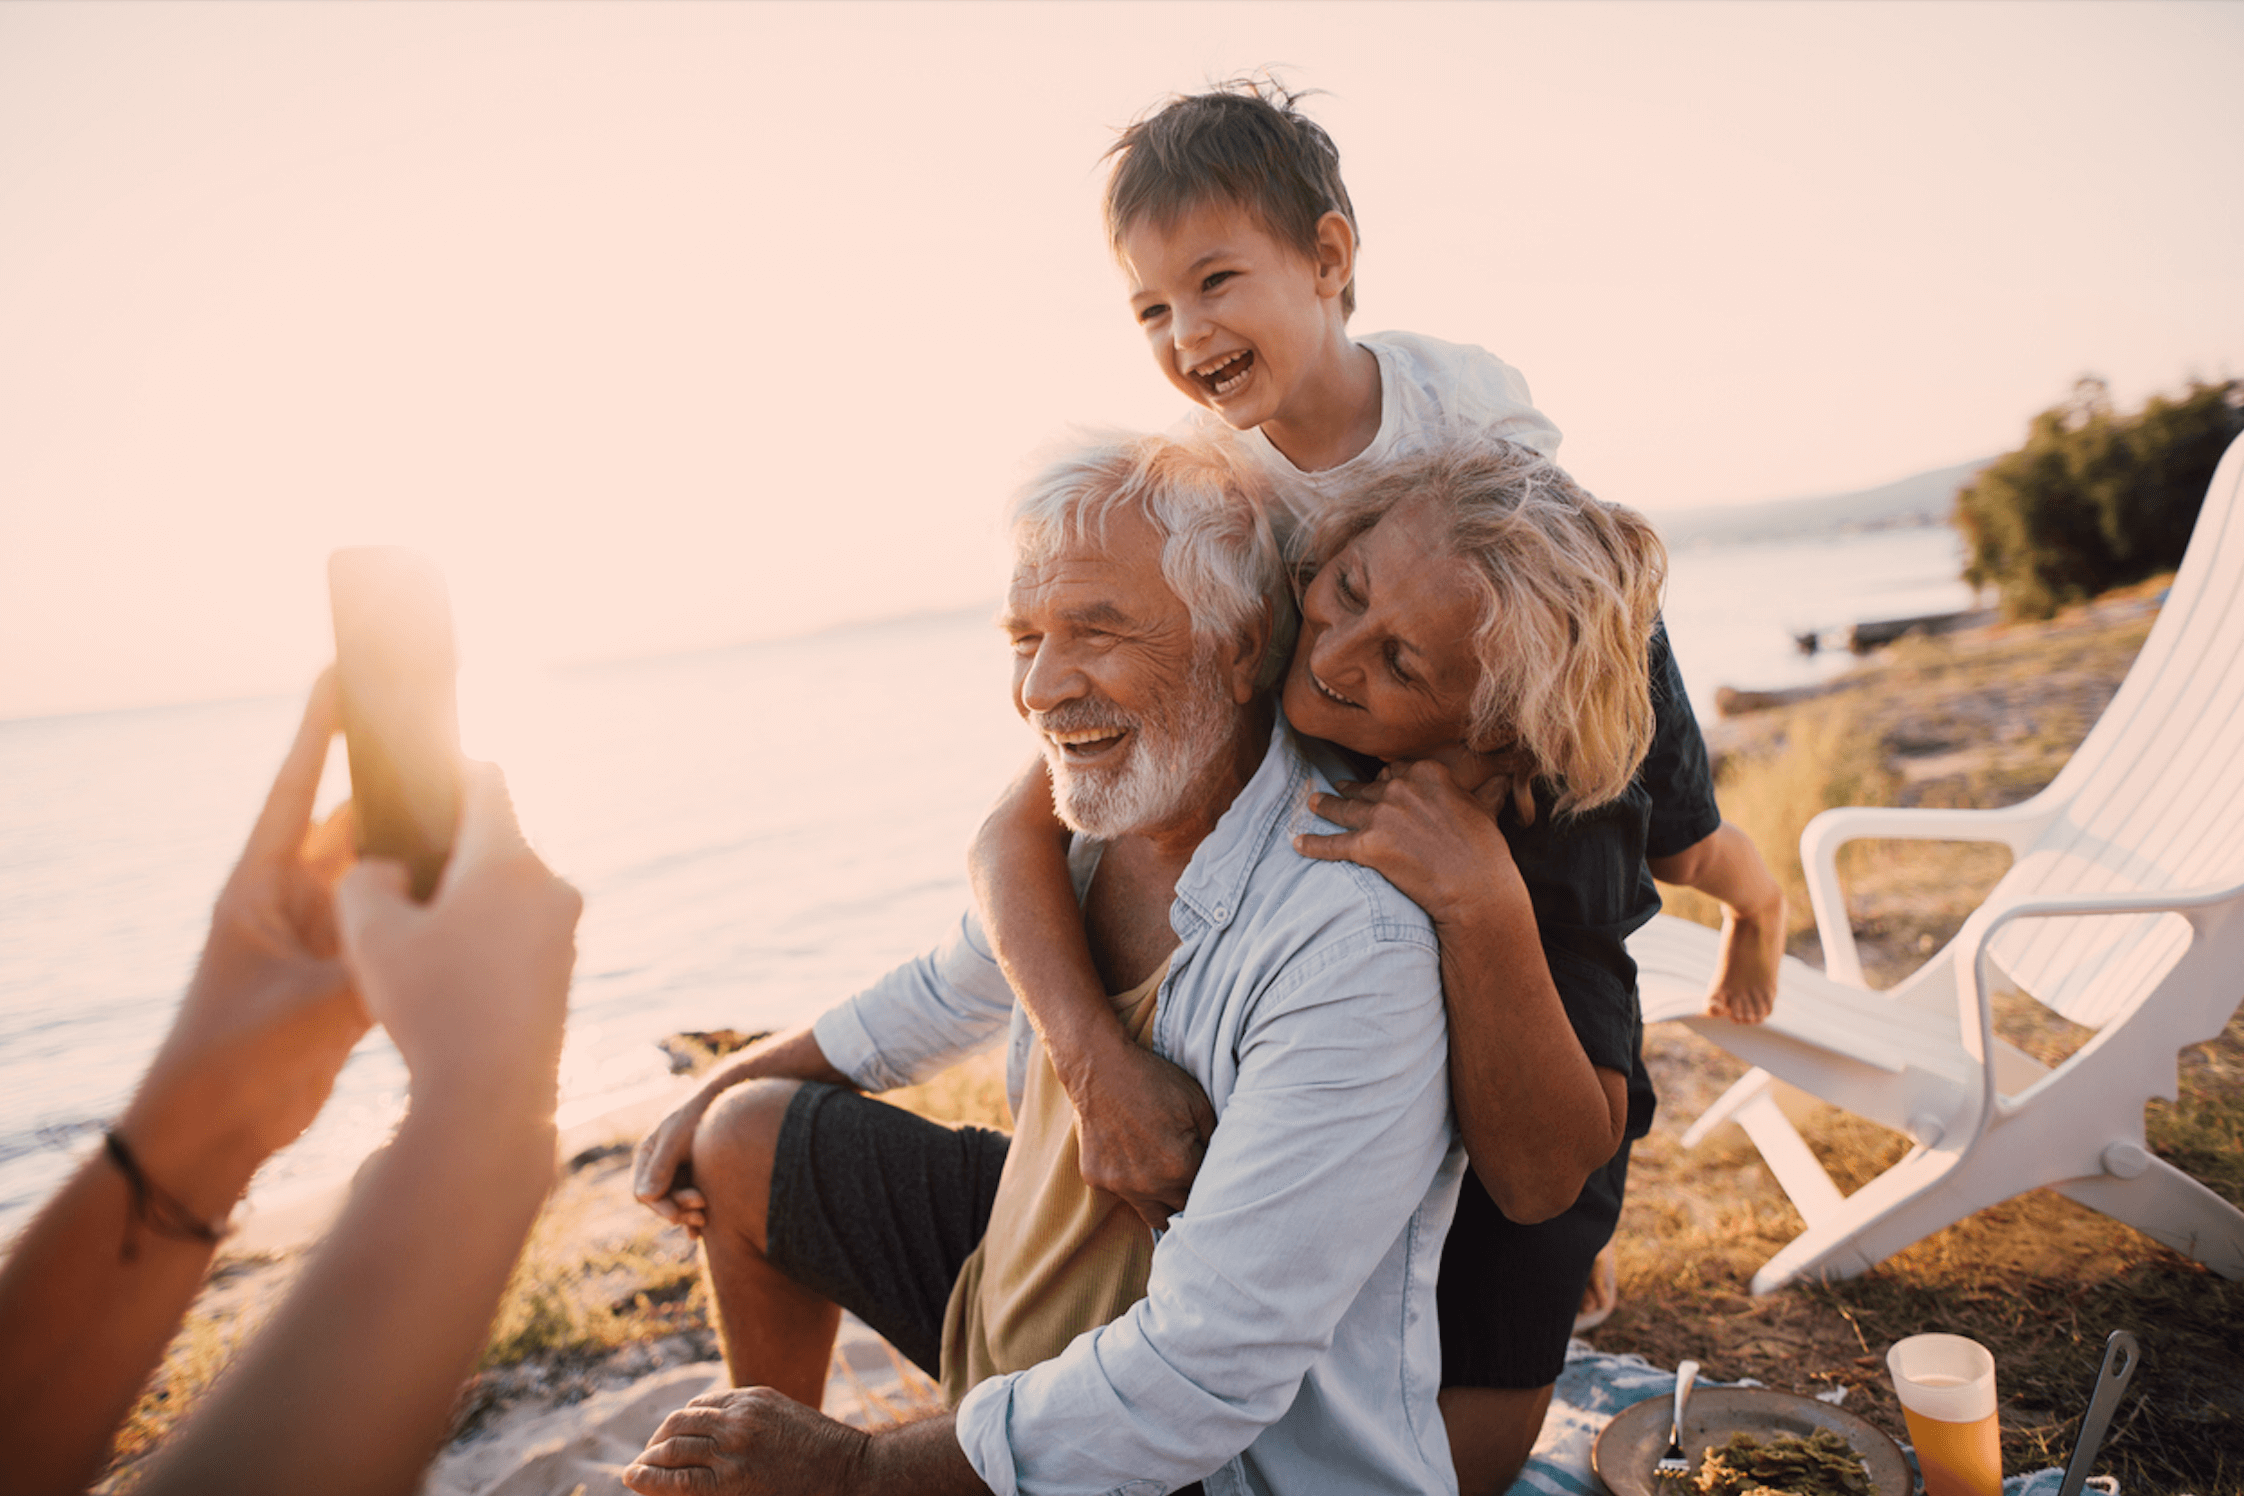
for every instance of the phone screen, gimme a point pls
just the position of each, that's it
(395, 666)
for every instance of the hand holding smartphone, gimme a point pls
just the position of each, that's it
(395, 667)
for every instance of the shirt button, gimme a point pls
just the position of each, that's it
(1222, 912)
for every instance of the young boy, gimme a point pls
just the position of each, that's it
(1227, 213)
(1228, 216)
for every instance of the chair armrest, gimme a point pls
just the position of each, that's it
(1975, 1010)
(2014, 826)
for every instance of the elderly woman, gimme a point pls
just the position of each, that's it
(1483, 634)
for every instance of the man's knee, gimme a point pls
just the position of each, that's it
(1492, 1430)
(733, 1151)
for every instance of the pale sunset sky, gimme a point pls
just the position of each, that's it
(666, 326)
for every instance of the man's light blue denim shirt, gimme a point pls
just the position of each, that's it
(1287, 1342)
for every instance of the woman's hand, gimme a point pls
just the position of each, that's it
(1413, 825)
(270, 1015)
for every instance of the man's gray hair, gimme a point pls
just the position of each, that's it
(1218, 556)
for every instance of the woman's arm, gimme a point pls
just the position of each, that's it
(1534, 1130)
(1142, 1120)
(1536, 1115)
(1727, 867)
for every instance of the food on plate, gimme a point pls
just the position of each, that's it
(1822, 1464)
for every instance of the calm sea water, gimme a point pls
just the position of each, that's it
(757, 831)
(1733, 610)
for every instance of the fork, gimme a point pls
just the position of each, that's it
(1672, 1465)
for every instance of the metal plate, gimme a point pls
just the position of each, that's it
(1629, 1446)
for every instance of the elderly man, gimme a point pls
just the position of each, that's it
(1285, 1339)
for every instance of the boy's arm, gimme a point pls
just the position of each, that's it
(1727, 867)
(1143, 1122)
(1688, 843)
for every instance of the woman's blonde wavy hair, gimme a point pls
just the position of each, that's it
(1570, 593)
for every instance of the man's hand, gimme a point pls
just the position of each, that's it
(752, 1440)
(662, 1168)
(1437, 844)
(1143, 1126)
(1745, 974)
(747, 1441)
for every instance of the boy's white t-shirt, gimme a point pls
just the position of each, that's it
(1425, 386)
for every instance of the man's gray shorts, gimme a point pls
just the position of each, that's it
(877, 1210)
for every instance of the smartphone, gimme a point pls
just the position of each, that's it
(395, 666)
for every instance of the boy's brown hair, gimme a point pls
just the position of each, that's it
(1243, 142)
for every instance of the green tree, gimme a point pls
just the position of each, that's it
(2095, 499)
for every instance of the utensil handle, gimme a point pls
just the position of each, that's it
(2120, 1355)
(1685, 1375)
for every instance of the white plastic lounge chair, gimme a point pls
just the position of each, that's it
(2123, 911)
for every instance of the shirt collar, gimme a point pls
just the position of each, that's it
(1215, 880)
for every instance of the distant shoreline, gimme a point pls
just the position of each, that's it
(1927, 498)
(1713, 535)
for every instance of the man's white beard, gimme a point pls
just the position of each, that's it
(1171, 753)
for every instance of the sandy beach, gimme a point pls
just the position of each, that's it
(564, 1424)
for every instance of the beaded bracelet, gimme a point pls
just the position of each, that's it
(154, 1208)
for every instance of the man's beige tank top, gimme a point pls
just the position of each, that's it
(1059, 1257)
